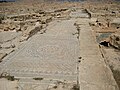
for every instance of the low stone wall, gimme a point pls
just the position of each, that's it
(95, 15)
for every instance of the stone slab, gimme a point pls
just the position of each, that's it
(94, 74)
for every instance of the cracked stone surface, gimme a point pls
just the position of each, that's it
(52, 56)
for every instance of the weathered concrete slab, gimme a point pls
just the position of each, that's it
(79, 14)
(94, 74)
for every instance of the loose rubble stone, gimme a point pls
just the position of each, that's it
(115, 40)
(115, 23)
(31, 31)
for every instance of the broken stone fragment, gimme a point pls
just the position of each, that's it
(40, 11)
(46, 19)
(115, 40)
(6, 29)
(7, 51)
(7, 45)
(18, 28)
(11, 27)
(44, 25)
(60, 10)
(23, 38)
(115, 23)
(31, 31)
(37, 24)
(2, 55)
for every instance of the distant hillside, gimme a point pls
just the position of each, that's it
(58, 0)
(6, 0)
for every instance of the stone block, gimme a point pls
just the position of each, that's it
(115, 40)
